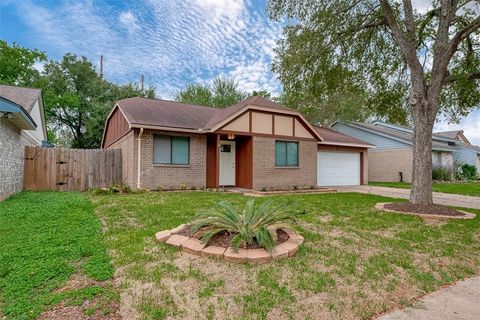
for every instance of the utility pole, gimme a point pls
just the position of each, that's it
(141, 83)
(101, 66)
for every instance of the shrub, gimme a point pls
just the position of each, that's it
(252, 224)
(442, 173)
(114, 188)
(468, 171)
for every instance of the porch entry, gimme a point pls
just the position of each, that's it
(227, 163)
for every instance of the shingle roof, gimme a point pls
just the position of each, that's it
(449, 134)
(332, 136)
(26, 97)
(399, 134)
(157, 112)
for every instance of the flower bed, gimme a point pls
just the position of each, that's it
(435, 211)
(287, 246)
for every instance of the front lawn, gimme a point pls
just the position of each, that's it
(355, 262)
(52, 256)
(467, 188)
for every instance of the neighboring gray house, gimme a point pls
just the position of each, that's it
(22, 123)
(391, 160)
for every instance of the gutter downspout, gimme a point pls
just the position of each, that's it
(139, 156)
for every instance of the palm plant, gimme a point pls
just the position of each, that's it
(253, 223)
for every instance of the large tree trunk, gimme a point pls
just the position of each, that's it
(421, 192)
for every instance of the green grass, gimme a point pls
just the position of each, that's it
(465, 188)
(45, 238)
(355, 263)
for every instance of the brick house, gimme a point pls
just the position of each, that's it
(22, 123)
(392, 158)
(253, 144)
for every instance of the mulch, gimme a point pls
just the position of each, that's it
(224, 238)
(432, 209)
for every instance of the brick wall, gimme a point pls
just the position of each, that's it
(155, 176)
(384, 165)
(266, 175)
(12, 153)
(366, 178)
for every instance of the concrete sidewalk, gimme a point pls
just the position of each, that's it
(460, 301)
(446, 199)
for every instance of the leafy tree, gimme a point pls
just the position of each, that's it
(328, 108)
(262, 93)
(77, 100)
(408, 63)
(17, 64)
(196, 94)
(103, 105)
(222, 93)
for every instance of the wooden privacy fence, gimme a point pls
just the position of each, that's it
(62, 169)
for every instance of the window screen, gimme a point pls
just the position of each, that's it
(286, 154)
(171, 149)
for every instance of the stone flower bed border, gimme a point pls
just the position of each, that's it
(195, 246)
(467, 215)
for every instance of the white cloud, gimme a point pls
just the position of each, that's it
(252, 77)
(230, 9)
(172, 43)
(128, 19)
(422, 5)
(39, 65)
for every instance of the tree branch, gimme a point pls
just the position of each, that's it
(462, 35)
(428, 18)
(350, 7)
(409, 23)
(470, 76)
(372, 24)
(407, 47)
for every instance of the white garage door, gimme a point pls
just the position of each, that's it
(338, 168)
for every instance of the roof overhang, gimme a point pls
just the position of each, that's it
(16, 114)
(374, 132)
(222, 123)
(166, 128)
(346, 144)
(446, 149)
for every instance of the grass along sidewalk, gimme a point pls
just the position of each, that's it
(355, 263)
(465, 188)
(52, 255)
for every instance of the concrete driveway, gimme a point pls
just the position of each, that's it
(446, 199)
(458, 302)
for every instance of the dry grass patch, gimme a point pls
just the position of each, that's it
(355, 263)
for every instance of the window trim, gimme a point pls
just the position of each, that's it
(297, 165)
(171, 151)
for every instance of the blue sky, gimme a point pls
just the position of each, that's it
(172, 43)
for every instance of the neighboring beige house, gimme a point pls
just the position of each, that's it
(253, 144)
(22, 123)
(391, 160)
